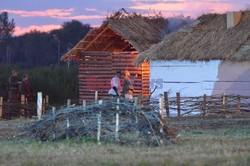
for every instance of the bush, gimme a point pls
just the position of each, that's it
(60, 83)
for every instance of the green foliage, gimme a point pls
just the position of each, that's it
(6, 27)
(37, 48)
(60, 83)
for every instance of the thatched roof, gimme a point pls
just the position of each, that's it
(207, 39)
(122, 32)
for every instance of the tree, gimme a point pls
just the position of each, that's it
(6, 30)
(6, 27)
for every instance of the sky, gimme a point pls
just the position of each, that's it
(45, 15)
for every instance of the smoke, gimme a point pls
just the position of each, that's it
(177, 22)
(248, 6)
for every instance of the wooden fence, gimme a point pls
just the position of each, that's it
(22, 107)
(168, 106)
(204, 105)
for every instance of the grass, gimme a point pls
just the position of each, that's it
(205, 142)
(197, 147)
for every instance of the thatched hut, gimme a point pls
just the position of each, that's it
(211, 56)
(113, 47)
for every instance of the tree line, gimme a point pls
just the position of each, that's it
(37, 48)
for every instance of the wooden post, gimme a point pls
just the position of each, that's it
(238, 104)
(22, 105)
(204, 104)
(135, 101)
(96, 95)
(162, 120)
(39, 105)
(84, 105)
(46, 100)
(117, 121)
(67, 125)
(135, 105)
(54, 117)
(166, 103)
(68, 103)
(43, 107)
(178, 103)
(54, 111)
(99, 116)
(223, 102)
(1, 107)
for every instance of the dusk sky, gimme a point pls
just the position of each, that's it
(45, 15)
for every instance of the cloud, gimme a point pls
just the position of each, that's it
(65, 14)
(192, 8)
(43, 28)
(84, 17)
(91, 9)
(248, 6)
(55, 13)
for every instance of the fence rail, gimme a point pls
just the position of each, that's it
(204, 105)
(22, 107)
(172, 106)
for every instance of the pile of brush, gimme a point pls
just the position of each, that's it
(116, 120)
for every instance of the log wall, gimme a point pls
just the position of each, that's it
(96, 71)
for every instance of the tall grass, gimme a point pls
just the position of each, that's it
(60, 83)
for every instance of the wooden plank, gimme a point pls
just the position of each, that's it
(166, 103)
(1, 107)
(94, 53)
(238, 103)
(178, 103)
(204, 104)
(22, 111)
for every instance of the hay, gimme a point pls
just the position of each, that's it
(208, 40)
(139, 30)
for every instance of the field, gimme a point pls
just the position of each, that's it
(200, 141)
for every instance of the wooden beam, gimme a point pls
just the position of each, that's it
(100, 34)
(93, 53)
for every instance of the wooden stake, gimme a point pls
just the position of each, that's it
(178, 103)
(96, 95)
(68, 125)
(68, 103)
(166, 103)
(54, 117)
(117, 121)
(22, 105)
(238, 104)
(1, 107)
(43, 107)
(99, 116)
(223, 102)
(46, 100)
(161, 106)
(135, 105)
(39, 105)
(84, 105)
(135, 101)
(204, 106)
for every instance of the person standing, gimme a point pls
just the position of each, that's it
(25, 88)
(14, 84)
(128, 88)
(115, 83)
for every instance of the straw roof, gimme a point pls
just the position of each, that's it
(121, 32)
(206, 39)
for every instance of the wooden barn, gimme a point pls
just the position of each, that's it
(211, 56)
(113, 47)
